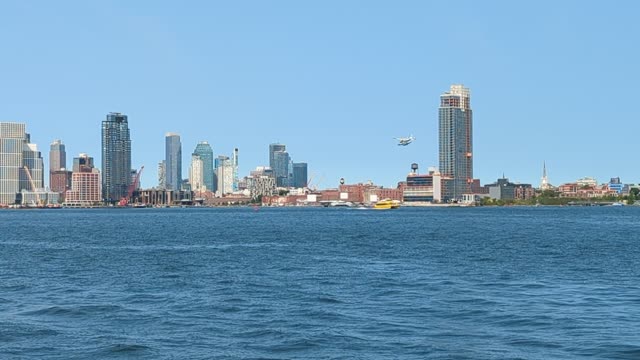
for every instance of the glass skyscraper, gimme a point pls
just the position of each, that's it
(280, 162)
(299, 175)
(205, 152)
(173, 161)
(456, 142)
(116, 157)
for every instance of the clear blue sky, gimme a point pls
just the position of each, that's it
(333, 80)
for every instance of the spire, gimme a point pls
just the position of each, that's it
(544, 169)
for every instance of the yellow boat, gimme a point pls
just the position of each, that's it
(386, 204)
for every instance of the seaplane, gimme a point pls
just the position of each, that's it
(404, 141)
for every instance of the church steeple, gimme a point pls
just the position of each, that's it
(544, 182)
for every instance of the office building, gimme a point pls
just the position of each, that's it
(19, 159)
(32, 172)
(173, 161)
(57, 161)
(205, 152)
(299, 175)
(116, 157)
(456, 142)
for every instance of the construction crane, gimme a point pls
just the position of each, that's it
(33, 186)
(134, 185)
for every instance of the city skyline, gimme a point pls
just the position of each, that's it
(335, 77)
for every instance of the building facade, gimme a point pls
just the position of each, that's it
(205, 152)
(456, 141)
(116, 157)
(173, 161)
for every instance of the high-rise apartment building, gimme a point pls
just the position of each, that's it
(205, 152)
(456, 142)
(116, 157)
(224, 174)
(85, 184)
(299, 175)
(173, 161)
(17, 156)
(196, 174)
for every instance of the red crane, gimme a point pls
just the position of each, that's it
(134, 185)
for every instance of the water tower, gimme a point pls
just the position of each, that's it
(414, 169)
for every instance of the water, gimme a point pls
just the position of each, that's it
(413, 283)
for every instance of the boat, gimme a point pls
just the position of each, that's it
(341, 203)
(386, 204)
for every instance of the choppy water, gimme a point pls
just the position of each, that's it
(481, 283)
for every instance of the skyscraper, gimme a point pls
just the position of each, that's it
(273, 148)
(204, 151)
(173, 161)
(456, 142)
(59, 176)
(57, 156)
(299, 175)
(196, 174)
(224, 175)
(280, 162)
(17, 156)
(116, 157)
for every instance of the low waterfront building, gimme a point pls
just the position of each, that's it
(39, 197)
(164, 197)
(616, 185)
(502, 189)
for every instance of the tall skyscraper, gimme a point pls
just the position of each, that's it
(299, 175)
(224, 175)
(17, 155)
(57, 156)
(59, 176)
(456, 142)
(173, 161)
(116, 157)
(279, 161)
(273, 148)
(205, 152)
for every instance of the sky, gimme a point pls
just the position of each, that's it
(335, 81)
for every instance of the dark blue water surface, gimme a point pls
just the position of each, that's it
(291, 283)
